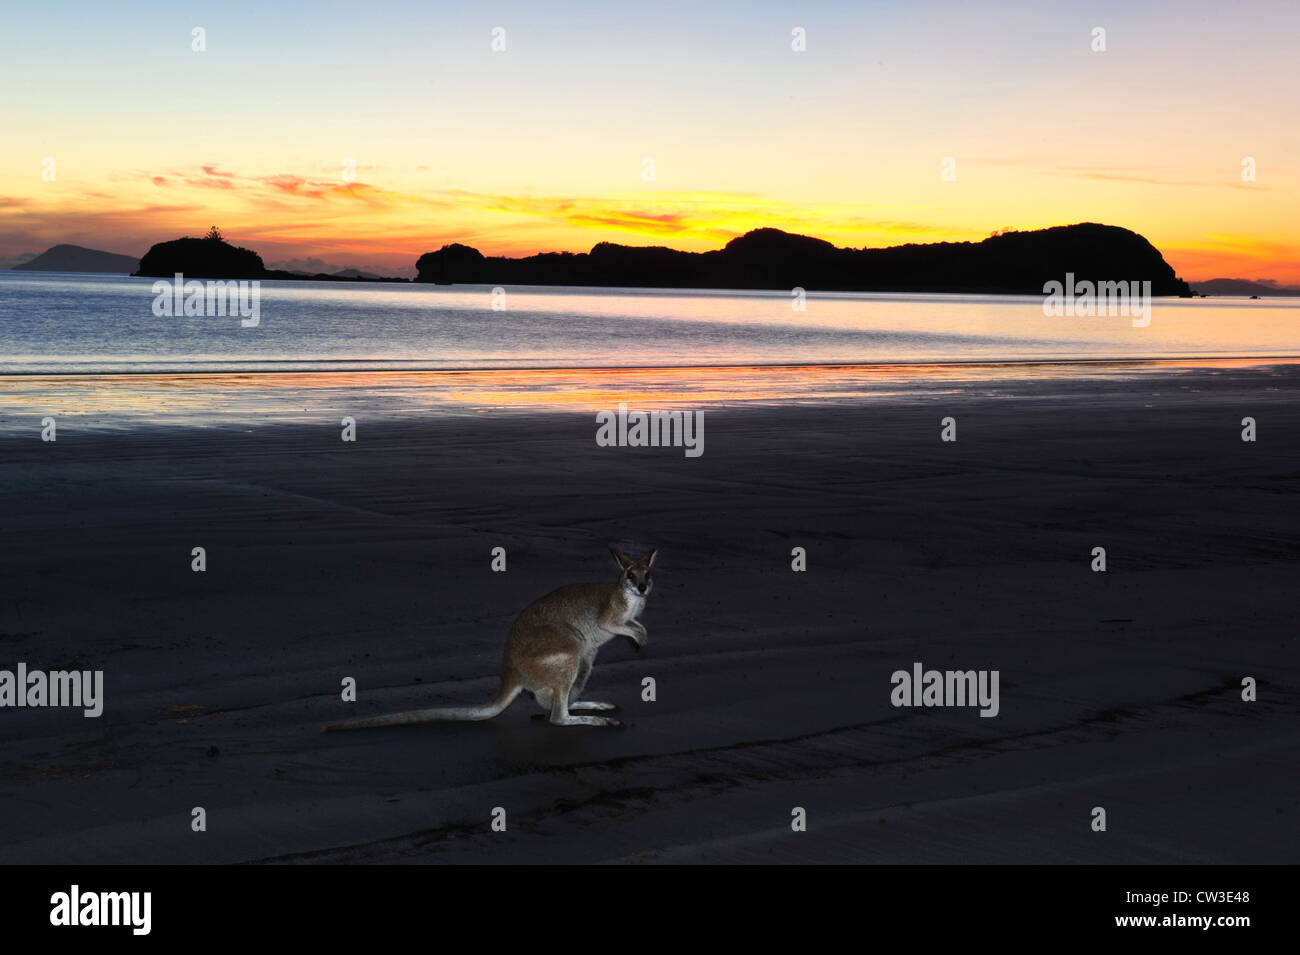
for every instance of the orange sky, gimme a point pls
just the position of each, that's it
(369, 138)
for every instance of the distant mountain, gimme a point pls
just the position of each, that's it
(315, 266)
(8, 262)
(343, 275)
(1013, 262)
(74, 258)
(1241, 287)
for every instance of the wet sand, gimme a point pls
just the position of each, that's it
(372, 560)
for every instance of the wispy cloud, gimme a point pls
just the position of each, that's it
(1148, 179)
(697, 216)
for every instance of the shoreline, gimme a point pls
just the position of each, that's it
(122, 402)
(664, 291)
(359, 366)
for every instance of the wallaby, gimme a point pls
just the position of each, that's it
(551, 648)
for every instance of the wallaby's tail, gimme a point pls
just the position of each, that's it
(510, 688)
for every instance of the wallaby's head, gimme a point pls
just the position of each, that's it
(635, 579)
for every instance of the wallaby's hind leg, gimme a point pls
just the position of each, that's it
(546, 699)
(576, 705)
(580, 681)
(560, 716)
(560, 710)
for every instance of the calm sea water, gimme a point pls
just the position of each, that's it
(76, 323)
(88, 350)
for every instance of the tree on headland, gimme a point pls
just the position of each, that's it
(215, 235)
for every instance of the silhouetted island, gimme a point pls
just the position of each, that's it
(76, 258)
(212, 257)
(1009, 263)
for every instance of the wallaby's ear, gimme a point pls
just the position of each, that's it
(649, 558)
(623, 561)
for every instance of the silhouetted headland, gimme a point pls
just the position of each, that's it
(1010, 263)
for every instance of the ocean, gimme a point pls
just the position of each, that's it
(79, 323)
(92, 345)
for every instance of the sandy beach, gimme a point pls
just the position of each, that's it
(372, 560)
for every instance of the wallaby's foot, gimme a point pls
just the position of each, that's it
(586, 721)
(590, 705)
(560, 711)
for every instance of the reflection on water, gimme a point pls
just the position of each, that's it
(126, 401)
(104, 324)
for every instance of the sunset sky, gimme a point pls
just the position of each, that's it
(542, 146)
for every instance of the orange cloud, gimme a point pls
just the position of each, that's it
(298, 215)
